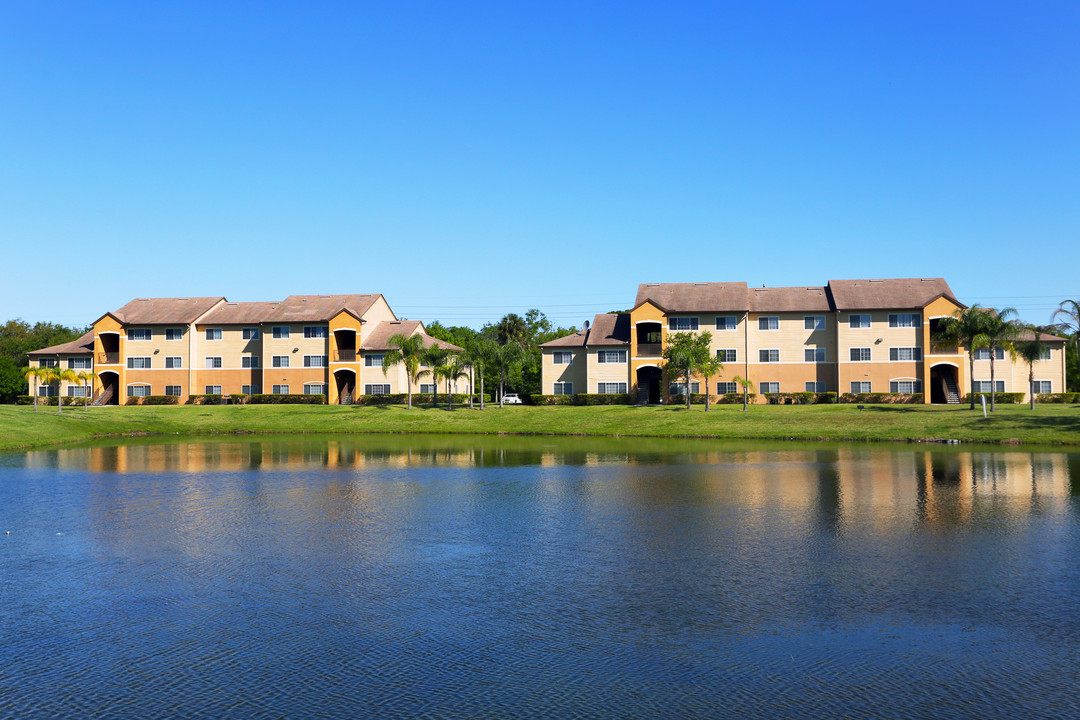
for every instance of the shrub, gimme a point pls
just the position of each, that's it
(734, 398)
(417, 399)
(606, 399)
(291, 399)
(1057, 398)
(538, 399)
(24, 400)
(1013, 398)
(882, 398)
(160, 400)
(205, 399)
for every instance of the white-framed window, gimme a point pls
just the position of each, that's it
(173, 362)
(682, 324)
(280, 332)
(769, 387)
(213, 362)
(280, 389)
(983, 386)
(770, 322)
(213, 390)
(611, 356)
(905, 387)
(138, 363)
(984, 354)
(562, 357)
(374, 360)
(727, 355)
(905, 320)
(249, 333)
(249, 361)
(860, 386)
(377, 389)
(679, 388)
(315, 361)
(174, 333)
(814, 355)
(46, 391)
(1041, 386)
(85, 363)
(78, 391)
(611, 388)
(1044, 354)
(860, 355)
(280, 361)
(858, 321)
(213, 333)
(316, 331)
(426, 388)
(727, 322)
(250, 389)
(140, 334)
(726, 388)
(564, 388)
(813, 322)
(768, 356)
(173, 390)
(816, 387)
(138, 391)
(904, 354)
(49, 362)
(314, 388)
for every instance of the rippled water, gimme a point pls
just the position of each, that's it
(537, 577)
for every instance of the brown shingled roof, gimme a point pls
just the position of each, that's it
(320, 308)
(234, 313)
(377, 337)
(606, 329)
(789, 299)
(694, 297)
(82, 346)
(888, 294)
(161, 311)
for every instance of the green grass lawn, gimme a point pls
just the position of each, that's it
(23, 428)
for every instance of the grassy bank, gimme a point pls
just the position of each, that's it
(23, 428)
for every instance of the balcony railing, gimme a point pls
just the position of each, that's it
(650, 350)
(108, 358)
(944, 349)
(344, 356)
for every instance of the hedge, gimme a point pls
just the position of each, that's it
(417, 399)
(1060, 398)
(582, 399)
(883, 398)
(1011, 398)
(801, 398)
(290, 399)
(154, 400)
(47, 401)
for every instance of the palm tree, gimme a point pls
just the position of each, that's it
(58, 375)
(685, 353)
(1070, 311)
(452, 370)
(86, 379)
(36, 373)
(1032, 350)
(479, 354)
(435, 358)
(1000, 332)
(406, 350)
(745, 385)
(708, 367)
(967, 327)
(503, 359)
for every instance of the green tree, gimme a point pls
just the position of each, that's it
(685, 353)
(1000, 332)
(32, 373)
(86, 379)
(708, 367)
(504, 359)
(58, 375)
(451, 370)
(407, 351)
(1067, 317)
(480, 353)
(1031, 350)
(12, 381)
(434, 358)
(746, 386)
(967, 327)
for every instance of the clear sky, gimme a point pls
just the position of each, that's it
(472, 159)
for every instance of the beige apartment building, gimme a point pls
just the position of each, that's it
(849, 336)
(331, 345)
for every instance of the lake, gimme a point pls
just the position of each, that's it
(452, 577)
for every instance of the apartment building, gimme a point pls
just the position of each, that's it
(849, 336)
(313, 344)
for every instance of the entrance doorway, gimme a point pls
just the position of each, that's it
(944, 385)
(648, 384)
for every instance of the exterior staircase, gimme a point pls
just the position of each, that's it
(347, 399)
(952, 393)
(102, 398)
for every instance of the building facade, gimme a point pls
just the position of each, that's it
(849, 336)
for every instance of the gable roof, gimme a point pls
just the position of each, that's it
(694, 297)
(162, 311)
(888, 294)
(320, 308)
(231, 313)
(83, 346)
(789, 299)
(606, 329)
(377, 338)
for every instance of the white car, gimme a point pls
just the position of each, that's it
(511, 399)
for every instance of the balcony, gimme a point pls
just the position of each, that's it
(650, 350)
(344, 356)
(943, 348)
(108, 358)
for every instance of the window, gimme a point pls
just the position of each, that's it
(250, 389)
(280, 389)
(900, 354)
(314, 388)
(213, 333)
(316, 331)
(984, 354)
(140, 334)
(611, 356)
(374, 360)
(860, 386)
(213, 389)
(860, 355)
(281, 332)
(725, 388)
(173, 390)
(426, 388)
(679, 388)
(984, 386)
(562, 357)
(78, 391)
(138, 363)
(816, 387)
(315, 361)
(377, 389)
(768, 356)
(814, 322)
(1044, 354)
(138, 391)
(858, 321)
(727, 355)
(564, 388)
(174, 333)
(213, 362)
(611, 388)
(727, 322)
(280, 361)
(1041, 386)
(174, 361)
(904, 320)
(46, 391)
(682, 323)
(770, 387)
(905, 387)
(768, 323)
(249, 361)
(814, 355)
(50, 362)
(86, 363)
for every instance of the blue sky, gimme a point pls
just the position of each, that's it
(473, 159)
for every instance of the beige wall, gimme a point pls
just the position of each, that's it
(599, 372)
(576, 372)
